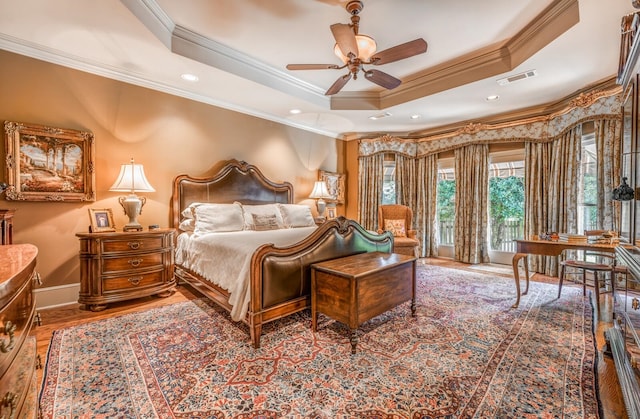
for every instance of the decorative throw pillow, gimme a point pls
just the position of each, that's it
(296, 215)
(264, 209)
(396, 227)
(264, 222)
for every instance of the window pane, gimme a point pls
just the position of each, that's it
(389, 182)
(588, 186)
(446, 205)
(506, 204)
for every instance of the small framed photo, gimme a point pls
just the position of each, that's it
(331, 213)
(101, 220)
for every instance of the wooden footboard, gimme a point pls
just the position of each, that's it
(281, 276)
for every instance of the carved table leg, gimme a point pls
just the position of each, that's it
(354, 340)
(97, 307)
(516, 275)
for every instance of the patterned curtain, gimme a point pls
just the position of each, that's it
(370, 178)
(608, 149)
(406, 181)
(537, 170)
(472, 190)
(563, 187)
(425, 214)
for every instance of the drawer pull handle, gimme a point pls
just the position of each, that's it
(135, 280)
(9, 400)
(135, 262)
(134, 245)
(9, 329)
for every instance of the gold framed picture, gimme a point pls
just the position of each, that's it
(335, 185)
(48, 164)
(101, 220)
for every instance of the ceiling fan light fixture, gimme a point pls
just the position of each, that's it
(366, 48)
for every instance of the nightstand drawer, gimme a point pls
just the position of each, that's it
(132, 243)
(132, 281)
(111, 265)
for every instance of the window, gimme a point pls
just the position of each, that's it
(389, 180)
(446, 205)
(506, 201)
(588, 185)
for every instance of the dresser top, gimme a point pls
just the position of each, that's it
(15, 260)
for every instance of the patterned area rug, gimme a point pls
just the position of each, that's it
(466, 354)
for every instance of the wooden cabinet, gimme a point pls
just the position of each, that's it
(18, 356)
(6, 226)
(122, 266)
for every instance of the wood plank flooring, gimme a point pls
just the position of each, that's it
(54, 319)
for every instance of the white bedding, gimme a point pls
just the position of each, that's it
(225, 258)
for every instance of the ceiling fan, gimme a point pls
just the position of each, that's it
(356, 50)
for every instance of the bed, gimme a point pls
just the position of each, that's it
(277, 277)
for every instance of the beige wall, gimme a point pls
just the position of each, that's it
(167, 134)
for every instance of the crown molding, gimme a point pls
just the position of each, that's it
(477, 65)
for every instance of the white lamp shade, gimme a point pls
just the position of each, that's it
(131, 179)
(320, 191)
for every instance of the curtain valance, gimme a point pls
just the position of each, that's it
(586, 107)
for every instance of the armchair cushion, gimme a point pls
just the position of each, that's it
(396, 227)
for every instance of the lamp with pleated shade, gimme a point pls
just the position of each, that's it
(132, 179)
(320, 192)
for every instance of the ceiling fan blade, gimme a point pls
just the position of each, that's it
(345, 38)
(311, 66)
(382, 79)
(400, 52)
(338, 85)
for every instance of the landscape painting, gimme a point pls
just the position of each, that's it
(48, 164)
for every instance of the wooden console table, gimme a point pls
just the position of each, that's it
(354, 289)
(547, 248)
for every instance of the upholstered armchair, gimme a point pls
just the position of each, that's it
(397, 219)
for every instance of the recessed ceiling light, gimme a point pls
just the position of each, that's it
(379, 116)
(295, 111)
(415, 116)
(189, 77)
(492, 98)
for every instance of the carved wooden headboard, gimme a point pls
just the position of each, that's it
(235, 181)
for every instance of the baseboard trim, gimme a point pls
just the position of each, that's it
(57, 296)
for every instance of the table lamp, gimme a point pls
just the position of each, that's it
(320, 192)
(132, 179)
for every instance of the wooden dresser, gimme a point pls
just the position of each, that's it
(125, 265)
(18, 357)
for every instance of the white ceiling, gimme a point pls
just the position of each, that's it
(239, 50)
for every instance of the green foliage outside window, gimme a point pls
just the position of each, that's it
(506, 204)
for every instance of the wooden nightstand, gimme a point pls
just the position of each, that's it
(125, 265)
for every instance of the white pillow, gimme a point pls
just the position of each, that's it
(296, 215)
(188, 211)
(212, 218)
(188, 224)
(264, 209)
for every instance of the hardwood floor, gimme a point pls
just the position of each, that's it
(54, 319)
